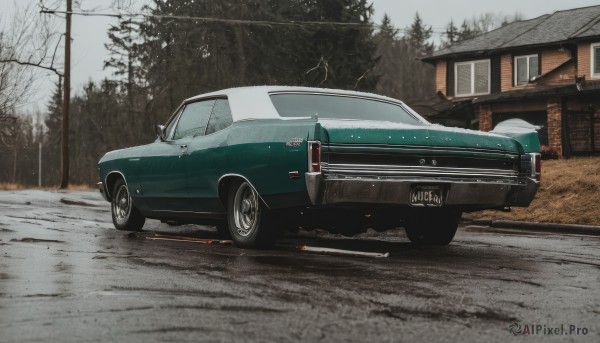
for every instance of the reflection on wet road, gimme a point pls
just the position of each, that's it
(67, 275)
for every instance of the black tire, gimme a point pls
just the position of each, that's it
(124, 213)
(251, 224)
(435, 226)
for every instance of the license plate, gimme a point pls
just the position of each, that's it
(430, 196)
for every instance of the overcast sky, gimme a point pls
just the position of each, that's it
(89, 33)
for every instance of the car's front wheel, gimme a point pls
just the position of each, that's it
(124, 213)
(436, 226)
(251, 224)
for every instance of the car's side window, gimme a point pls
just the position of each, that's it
(171, 125)
(220, 118)
(194, 118)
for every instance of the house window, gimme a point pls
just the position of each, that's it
(472, 78)
(595, 59)
(526, 67)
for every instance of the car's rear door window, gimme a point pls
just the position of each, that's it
(193, 119)
(220, 117)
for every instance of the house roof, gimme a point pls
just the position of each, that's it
(555, 28)
(582, 87)
(537, 92)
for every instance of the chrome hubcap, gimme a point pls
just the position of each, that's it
(122, 204)
(245, 210)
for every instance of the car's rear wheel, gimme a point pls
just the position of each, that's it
(124, 213)
(434, 226)
(250, 223)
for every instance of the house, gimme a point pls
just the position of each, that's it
(545, 71)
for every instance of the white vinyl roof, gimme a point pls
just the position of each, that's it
(254, 102)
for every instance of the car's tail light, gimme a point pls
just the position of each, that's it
(531, 165)
(314, 156)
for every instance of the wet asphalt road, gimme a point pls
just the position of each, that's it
(67, 276)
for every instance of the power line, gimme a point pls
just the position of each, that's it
(223, 20)
(208, 19)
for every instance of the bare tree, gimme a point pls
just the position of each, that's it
(28, 45)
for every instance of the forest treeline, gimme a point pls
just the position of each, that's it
(167, 57)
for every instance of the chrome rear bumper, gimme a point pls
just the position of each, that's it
(466, 192)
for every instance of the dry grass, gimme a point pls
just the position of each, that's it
(5, 186)
(10, 186)
(569, 194)
(82, 188)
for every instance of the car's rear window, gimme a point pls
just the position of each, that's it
(340, 107)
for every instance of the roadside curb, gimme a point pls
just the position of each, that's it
(591, 230)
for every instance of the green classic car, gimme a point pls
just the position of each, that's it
(256, 160)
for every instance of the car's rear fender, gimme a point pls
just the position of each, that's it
(272, 155)
(528, 139)
(227, 181)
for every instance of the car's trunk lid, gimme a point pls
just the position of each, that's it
(365, 132)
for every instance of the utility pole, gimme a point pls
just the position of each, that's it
(66, 102)
(40, 163)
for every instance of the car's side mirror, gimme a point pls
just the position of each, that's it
(160, 132)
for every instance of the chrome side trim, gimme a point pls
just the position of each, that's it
(245, 179)
(106, 183)
(389, 170)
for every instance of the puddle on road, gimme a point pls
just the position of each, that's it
(481, 313)
(286, 256)
(30, 218)
(302, 264)
(76, 202)
(35, 240)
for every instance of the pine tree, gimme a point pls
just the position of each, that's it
(401, 74)
(451, 34)
(123, 50)
(388, 59)
(418, 36)
(182, 58)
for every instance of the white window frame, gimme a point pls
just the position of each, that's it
(472, 63)
(515, 68)
(593, 60)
